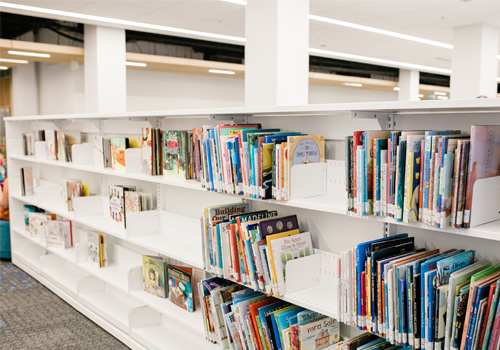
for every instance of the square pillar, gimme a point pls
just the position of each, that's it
(409, 83)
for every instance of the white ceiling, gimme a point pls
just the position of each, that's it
(432, 20)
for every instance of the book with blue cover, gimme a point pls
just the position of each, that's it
(431, 307)
(449, 265)
(283, 320)
(379, 146)
(400, 179)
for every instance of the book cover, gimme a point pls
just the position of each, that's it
(449, 265)
(98, 148)
(379, 145)
(61, 146)
(58, 233)
(118, 147)
(72, 138)
(320, 334)
(147, 151)
(491, 316)
(50, 141)
(116, 205)
(484, 160)
(175, 154)
(368, 171)
(93, 251)
(357, 140)
(27, 209)
(286, 249)
(37, 221)
(133, 203)
(154, 275)
(28, 181)
(179, 287)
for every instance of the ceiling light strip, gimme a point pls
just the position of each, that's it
(218, 71)
(13, 61)
(135, 64)
(238, 2)
(121, 22)
(31, 54)
(3, 68)
(379, 31)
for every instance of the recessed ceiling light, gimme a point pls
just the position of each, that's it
(120, 22)
(442, 97)
(381, 61)
(135, 64)
(32, 54)
(353, 84)
(239, 2)
(380, 31)
(396, 88)
(3, 68)
(13, 61)
(440, 93)
(218, 71)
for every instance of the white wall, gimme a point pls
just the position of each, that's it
(62, 91)
(24, 90)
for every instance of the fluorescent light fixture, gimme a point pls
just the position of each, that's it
(13, 61)
(380, 31)
(380, 61)
(442, 97)
(120, 22)
(135, 64)
(420, 95)
(498, 57)
(3, 68)
(32, 54)
(396, 88)
(239, 2)
(440, 93)
(218, 71)
(498, 79)
(353, 84)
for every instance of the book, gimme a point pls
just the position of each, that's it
(58, 233)
(98, 149)
(179, 287)
(36, 222)
(118, 147)
(319, 334)
(27, 188)
(286, 249)
(147, 151)
(61, 146)
(50, 141)
(96, 249)
(27, 209)
(154, 275)
(175, 160)
(117, 205)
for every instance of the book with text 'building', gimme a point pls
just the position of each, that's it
(286, 249)
(154, 275)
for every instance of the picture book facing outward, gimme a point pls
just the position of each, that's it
(154, 275)
(175, 154)
(319, 334)
(97, 251)
(58, 233)
(118, 147)
(179, 287)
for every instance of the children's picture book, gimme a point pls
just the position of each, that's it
(286, 249)
(98, 148)
(117, 205)
(27, 181)
(118, 147)
(93, 251)
(58, 233)
(61, 146)
(154, 275)
(319, 334)
(147, 151)
(37, 221)
(175, 154)
(132, 202)
(27, 209)
(179, 287)
(50, 141)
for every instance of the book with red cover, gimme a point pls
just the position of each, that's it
(254, 312)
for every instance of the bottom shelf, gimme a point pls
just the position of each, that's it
(162, 338)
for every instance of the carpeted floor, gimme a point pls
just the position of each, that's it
(34, 318)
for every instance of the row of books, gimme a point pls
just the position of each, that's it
(41, 225)
(27, 187)
(367, 341)
(239, 318)
(247, 160)
(97, 248)
(110, 152)
(124, 200)
(71, 189)
(59, 143)
(171, 153)
(425, 299)
(425, 176)
(173, 281)
(252, 248)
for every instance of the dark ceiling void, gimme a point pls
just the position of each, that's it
(13, 26)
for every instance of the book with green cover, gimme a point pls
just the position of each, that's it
(175, 154)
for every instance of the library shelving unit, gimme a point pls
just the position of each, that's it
(113, 297)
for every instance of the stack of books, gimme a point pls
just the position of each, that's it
(424, 176)
(425, 299)
(59, 144)
(239, 318)
(252, 248)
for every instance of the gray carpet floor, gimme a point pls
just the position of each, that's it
(34, 318)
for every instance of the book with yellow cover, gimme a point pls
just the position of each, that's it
(269, 240)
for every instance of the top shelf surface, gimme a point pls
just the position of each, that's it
(393, 107)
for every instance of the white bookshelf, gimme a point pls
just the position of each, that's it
(113, 297)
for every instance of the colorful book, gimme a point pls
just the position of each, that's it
(118, 147)
(319, 334)
(179, 287)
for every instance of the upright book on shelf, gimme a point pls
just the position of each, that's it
(154, 275)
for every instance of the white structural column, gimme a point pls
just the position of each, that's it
(25, 99)
(276, 56)
(474, 62)
(105, 71)
(409, 82)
